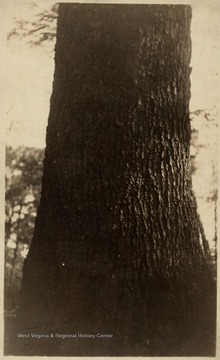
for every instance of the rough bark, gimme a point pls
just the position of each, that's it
(116, 244)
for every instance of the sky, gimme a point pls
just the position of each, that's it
(27, 76)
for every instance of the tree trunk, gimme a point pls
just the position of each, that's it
(116, 245)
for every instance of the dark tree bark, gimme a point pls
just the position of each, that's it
(116, 245)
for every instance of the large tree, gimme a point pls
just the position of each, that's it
(116, 244)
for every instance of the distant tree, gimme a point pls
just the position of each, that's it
(23, 184)
(117, 219)
(204, 142)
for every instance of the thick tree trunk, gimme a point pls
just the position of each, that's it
(116, 245)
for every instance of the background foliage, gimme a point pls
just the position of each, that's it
(24, 168)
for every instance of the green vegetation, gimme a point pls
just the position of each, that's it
(24, 167)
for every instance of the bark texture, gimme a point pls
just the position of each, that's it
(116, 245)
